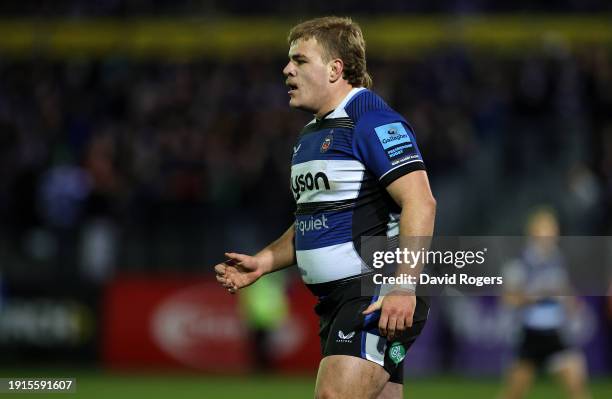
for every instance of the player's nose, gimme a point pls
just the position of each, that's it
(289, 70)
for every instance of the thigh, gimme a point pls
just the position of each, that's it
(349, 377)
(392, 390)
(570, 368)
(570, 361)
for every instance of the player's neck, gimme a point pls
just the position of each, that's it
(335, 99)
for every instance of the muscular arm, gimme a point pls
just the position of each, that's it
(242, 270)
(279, 254)
(413, 194)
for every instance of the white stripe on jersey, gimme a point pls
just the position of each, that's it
(393, 225)
(371, 349)
(329, 263)
(398, 166)
(344, 176)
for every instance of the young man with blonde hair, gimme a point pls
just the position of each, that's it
(356, 171)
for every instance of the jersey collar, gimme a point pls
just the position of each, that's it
(339, 111)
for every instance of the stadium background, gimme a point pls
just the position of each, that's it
(139, 140)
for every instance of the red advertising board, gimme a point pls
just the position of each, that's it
(192, 323)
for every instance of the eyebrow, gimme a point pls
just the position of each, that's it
(298, 56)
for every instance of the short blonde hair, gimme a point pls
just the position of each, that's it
(340, 38)
(542, 219)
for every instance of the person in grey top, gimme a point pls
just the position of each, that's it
(538, 286)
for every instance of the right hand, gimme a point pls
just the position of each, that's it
(238, 271)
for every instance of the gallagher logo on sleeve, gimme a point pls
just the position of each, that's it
(396, 142)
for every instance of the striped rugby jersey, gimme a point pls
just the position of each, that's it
(340, 168)
(538, 275)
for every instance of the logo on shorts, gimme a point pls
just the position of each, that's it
(327, 143)
(397, 352)
(342, 337)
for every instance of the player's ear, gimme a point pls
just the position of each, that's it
(336, 67)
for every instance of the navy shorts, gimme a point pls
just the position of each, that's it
(344, 330)
(538, 346)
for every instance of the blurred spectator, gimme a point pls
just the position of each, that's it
(79, 8)
(265, 307)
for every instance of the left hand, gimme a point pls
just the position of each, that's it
(397, 311)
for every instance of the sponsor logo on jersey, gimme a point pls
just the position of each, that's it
(327, 142)
(396, 142)
(342, 337)
(396, 138)
(312, 224)
(393, 134)
(308, 182)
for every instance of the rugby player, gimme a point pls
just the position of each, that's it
(356, 171)
(537, 284)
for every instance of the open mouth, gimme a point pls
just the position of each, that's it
(292, 87)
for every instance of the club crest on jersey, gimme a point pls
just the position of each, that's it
(327, 143)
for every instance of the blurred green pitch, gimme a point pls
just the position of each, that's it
(94, 385)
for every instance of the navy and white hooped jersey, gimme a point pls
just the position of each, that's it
(538, 275)
(340, 169)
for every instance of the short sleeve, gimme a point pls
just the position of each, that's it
(386, 145)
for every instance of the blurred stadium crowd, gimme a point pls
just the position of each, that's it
(165, 163)
(243, 7)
